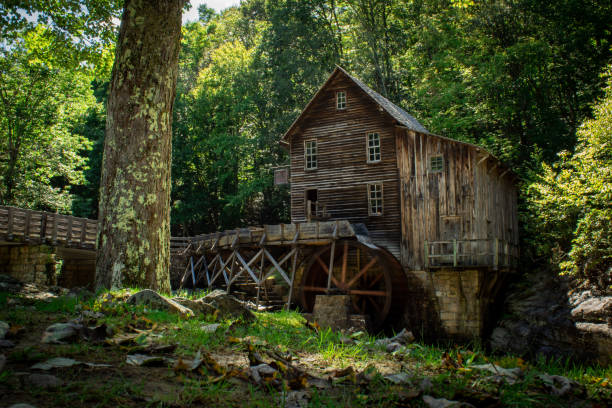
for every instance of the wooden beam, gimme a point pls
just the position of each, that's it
(331, 264)
(247, 267)
(326, 270)
(293, 267)
(277, 266)
(361, 272)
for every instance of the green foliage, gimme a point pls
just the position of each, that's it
(41, 103)
(569, 204)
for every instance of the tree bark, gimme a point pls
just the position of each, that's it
(134, 210)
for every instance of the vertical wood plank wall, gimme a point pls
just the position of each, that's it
(343, 172)
(467, 200)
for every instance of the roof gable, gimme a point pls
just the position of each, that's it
(397, 113)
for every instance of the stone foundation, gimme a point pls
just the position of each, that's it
(31, 264)
(462, 300)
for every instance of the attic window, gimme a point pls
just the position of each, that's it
(340, 100)
(373, 147)
(436, 164)
(375, 199)
(310, 154)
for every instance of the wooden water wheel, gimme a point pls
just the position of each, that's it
(370, 275)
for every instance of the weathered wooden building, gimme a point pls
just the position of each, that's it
(445, 210)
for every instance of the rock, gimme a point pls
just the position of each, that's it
(22, 406)
(561, 386)
(510, 375)
(210, 328)
(61, 362)
(398, 379)
(425, 385)
(6, 344)
(4, 328)
(600, 335)
(297, 399)
(156, 301)
(432, 402)
(346, 340)
(144, 360)
(45, 381)
(59, 333)
(261, 370)
(596, 309)
(229, 307)
(393, 347)
(197, 306)
(403, 338)
(2, 362)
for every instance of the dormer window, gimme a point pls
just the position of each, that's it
(310, 154)
(341, 100)
(373, 147)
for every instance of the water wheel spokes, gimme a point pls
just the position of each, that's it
(358, 271)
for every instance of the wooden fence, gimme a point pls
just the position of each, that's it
(494, 253)
(38, 227)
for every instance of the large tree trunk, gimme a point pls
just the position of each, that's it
(134, 231)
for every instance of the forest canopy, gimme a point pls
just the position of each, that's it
(520, 78)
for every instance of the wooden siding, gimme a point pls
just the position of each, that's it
(342, 172)
(471, 199)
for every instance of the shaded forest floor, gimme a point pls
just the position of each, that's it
(140, 357)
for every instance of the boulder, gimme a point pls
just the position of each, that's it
(595, 309)
(229, 307)
(59, 333)
(154, 300)
(197, 306)
(600, 336)
(432, 402)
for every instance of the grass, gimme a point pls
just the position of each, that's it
(446, 365)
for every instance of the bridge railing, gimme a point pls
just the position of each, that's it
(29, 226)
(494, 253)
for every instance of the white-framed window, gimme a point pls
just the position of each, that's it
(375, 199)
(373, 147)
(341, 100)
(436, 164)
(310, 154)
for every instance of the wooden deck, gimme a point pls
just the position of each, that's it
(18, 225)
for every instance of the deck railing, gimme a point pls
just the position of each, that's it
(494, 253)
(29, 226)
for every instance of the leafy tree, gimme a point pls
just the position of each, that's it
(41, 102)
(569, 205)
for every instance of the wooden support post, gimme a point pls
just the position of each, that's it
(293, 267)
(54, 235)
(43, 227)
(261, 273)
(277, 266)
(192, 271)
(506, 254)
(11, 215)
(496, 254)
(69, 232)
(83, 232)
(331, 265)
(26, 229)
(246, 266)
(454, 253)
(426, 260)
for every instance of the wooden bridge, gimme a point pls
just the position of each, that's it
(21, 226)
(259, 263)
